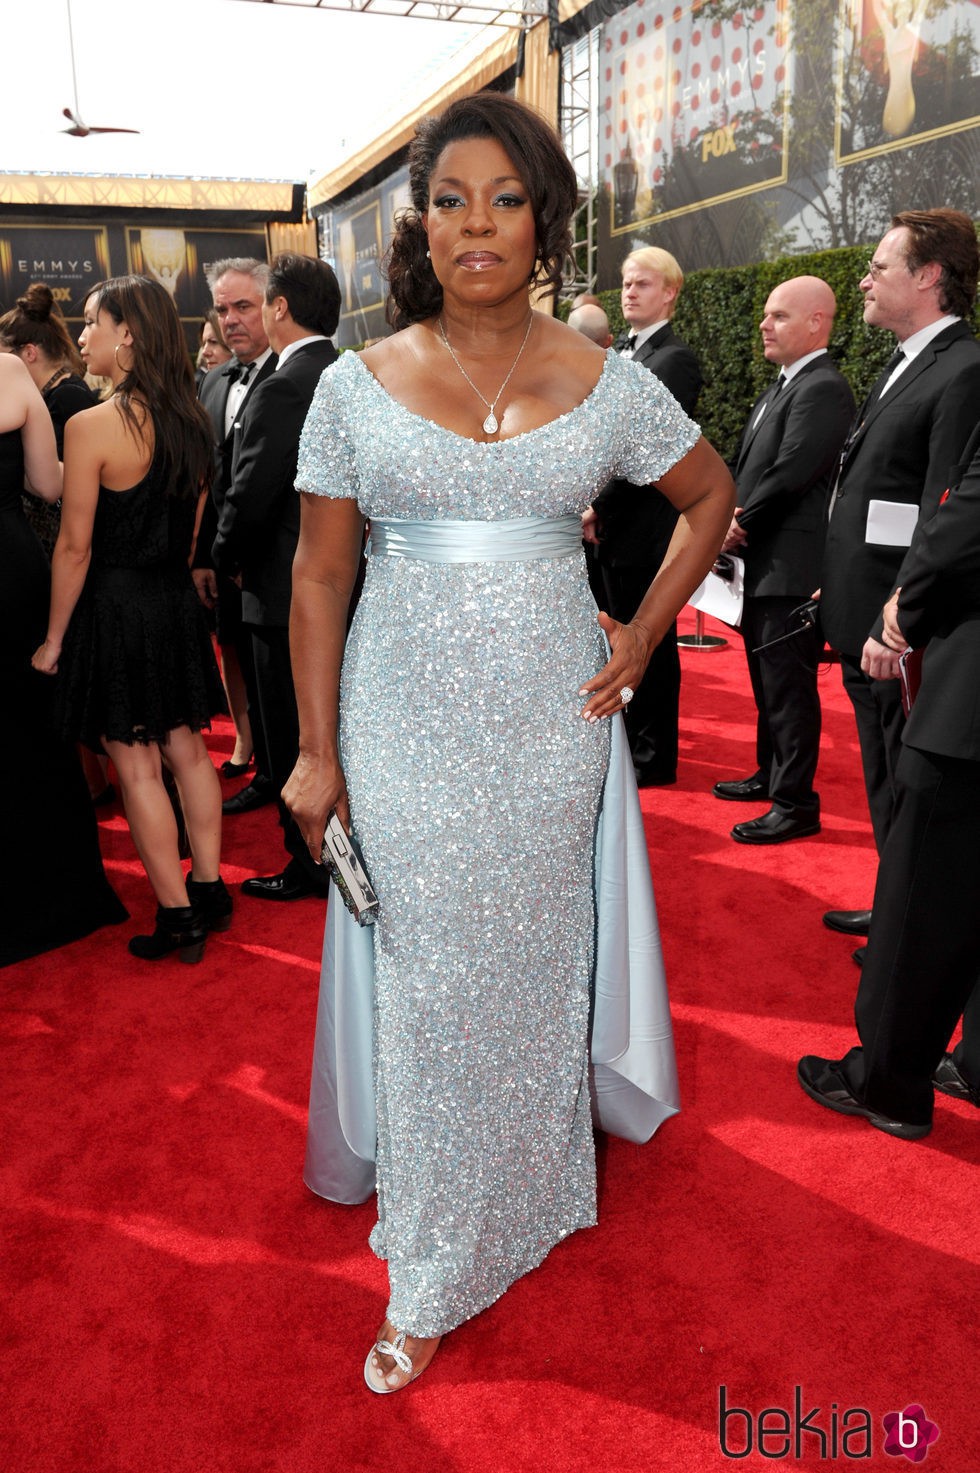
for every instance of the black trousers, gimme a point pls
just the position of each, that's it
(880, 723)
(653, 714)
(784, 684)
(280, 733)
(922, 965)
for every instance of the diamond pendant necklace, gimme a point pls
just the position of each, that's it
(490, 424)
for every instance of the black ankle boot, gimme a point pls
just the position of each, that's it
(212, 901)
(179, 928)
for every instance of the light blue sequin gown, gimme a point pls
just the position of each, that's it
(474, 788)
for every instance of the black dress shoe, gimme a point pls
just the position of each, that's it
(259, 792)
(851, 922)
(775, 828)
(824, 1082)
(949, 1079)
(743, 790)
(281, 887)
(857, 957)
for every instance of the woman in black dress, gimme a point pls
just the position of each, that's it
(52, 883)
(35, 330)
(126, 632)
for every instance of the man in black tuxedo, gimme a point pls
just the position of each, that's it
(923, 957)
(628, 528)
(897, 461)
(258, 526)
(237, 287)
(783, 471)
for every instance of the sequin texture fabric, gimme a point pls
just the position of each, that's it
(474, 789)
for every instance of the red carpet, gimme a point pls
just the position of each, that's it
(175, 1301)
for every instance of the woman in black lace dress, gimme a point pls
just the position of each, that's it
(126, 632)
(52, 885)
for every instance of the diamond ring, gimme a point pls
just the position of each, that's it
(626, 694)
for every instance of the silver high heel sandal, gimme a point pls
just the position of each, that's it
(374, 1376)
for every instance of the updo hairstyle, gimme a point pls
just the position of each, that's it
(37, 320)
(536, 153)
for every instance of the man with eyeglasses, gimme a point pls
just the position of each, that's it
(897, 461)
(920, 976)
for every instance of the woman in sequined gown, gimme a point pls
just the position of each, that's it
(472, 741)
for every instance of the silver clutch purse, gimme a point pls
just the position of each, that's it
(343, 859)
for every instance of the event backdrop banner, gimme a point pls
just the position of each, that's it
(907, 73)
(357, 235)
(70, 258)
(730, 132)
(694, 106)
(178, 259)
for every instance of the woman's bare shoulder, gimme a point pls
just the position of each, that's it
(579, 361)
(101, 419)
(564, 339)
(17, 391)
(397, 350)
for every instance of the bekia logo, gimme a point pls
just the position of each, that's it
(910, 1433)
(780, 1432)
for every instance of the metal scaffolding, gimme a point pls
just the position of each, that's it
(465, 12)
(579, 125)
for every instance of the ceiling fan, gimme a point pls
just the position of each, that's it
(78, 128)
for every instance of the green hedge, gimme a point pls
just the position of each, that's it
(718, 316)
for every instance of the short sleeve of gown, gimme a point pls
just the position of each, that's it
(327, 463)
(656, 433)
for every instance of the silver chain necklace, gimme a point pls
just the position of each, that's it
(490, 424)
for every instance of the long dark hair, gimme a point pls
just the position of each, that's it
(160, 378)
(36, 319)
(536, 153)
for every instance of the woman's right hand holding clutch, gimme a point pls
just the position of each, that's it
(314, 789)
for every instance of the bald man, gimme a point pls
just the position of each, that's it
(591, 321)
(784, 471)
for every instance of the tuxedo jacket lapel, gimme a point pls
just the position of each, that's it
(755, 423)
(876, 403)
(224, 389)
(776, 404)
(649, 349)
(269, 366)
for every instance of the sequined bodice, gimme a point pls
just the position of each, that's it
(628, 425)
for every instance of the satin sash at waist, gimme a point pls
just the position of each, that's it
(517, 540)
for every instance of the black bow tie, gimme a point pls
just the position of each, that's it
(243, 372)
(630, 343)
